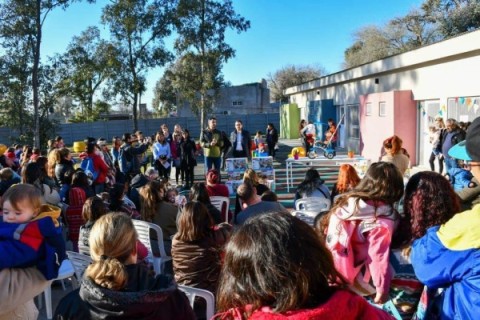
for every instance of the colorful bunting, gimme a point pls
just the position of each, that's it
(475, 107)
(461, 100)
(468, 101)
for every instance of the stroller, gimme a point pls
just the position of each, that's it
(325, 147)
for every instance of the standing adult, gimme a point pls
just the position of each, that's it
(309, 134)
(448, 256)
(188, 158)
(450, 137)
(303, 124)
(212, 142)
(272, 139)
(162, 155)
(241, 141)
(128, 162)
(331, 134)
(166, 132)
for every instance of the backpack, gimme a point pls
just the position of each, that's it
(339, 242)
(87, 166)
(125, 160)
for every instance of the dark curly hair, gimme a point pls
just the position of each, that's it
(429, 201)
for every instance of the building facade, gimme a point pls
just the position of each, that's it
(250, 98)
(401, 94)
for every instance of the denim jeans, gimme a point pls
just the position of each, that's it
(450, 163)
(213, 162)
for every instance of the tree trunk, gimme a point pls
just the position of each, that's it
(135, 120)
(36, 62)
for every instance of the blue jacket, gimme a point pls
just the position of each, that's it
(460, 178)
(448, 257)
(36, 243)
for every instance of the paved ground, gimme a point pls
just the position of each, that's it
(328, 172)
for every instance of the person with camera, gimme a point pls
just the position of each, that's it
(162, 156)
(128, 160)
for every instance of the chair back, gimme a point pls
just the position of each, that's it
(192, 292)
(80, 263)
(312, 205)
(143, 230)
(222, 204)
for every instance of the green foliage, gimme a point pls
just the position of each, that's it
(21, 22)
(289, 76)
(88, 62)
(138, 29)
(201, 46)
(165, 96)
(99, 108)
(434, 21)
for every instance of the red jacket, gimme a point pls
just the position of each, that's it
(100, 166)
(218, 189)
(343, 305)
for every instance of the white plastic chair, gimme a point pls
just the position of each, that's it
(143, 230)
(218, 202)
(66, 271)
(80, 263)
(192, 292)
(307, 218)
(312, 205)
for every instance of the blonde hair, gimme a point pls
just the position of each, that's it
(251, 176)
(54, 157)
(112, 241)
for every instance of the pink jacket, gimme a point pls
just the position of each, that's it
(359, 237)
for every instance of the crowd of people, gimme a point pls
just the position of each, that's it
(381, 243)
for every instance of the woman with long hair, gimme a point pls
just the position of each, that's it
(188, 158)
(197, 248)
(199, 193)
(117, 203)
(92, 210)
(162, 155)
(115, 286)
(285, 273)
(154, 208)
(429, 201)
(396, 154)
(312, 186)
(33, 174)
(346, 181)
(360, 228)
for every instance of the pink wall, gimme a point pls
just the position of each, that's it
(399, 119)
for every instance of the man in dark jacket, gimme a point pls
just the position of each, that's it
(128, 160)
(450, 137)
(241, 141)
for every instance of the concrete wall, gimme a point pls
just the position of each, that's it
(399, 119)
(108, 129)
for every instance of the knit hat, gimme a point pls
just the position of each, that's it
(212, 176)
(10, 155)
(468, 149)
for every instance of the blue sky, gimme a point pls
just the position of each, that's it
(282, 32)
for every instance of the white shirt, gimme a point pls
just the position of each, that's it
(239, 141)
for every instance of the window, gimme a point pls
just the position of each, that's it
(382, 109)
(368, 109)
(237, 103)
(353, 122)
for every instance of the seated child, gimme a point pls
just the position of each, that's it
(258, 139)
(30, 234)
(261, 150)
(461, 178)
(174, 198)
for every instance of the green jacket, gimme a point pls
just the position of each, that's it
(206, 139)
